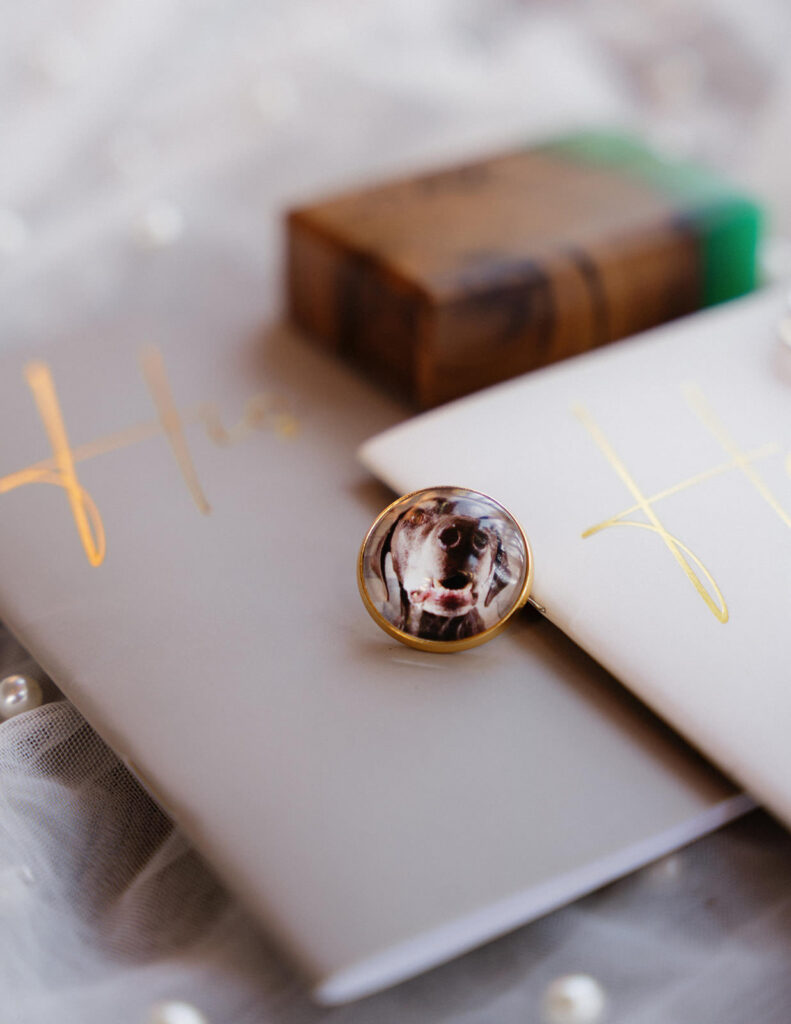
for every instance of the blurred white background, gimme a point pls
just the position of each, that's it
(107, 107)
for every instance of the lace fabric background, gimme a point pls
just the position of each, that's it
(149, 149)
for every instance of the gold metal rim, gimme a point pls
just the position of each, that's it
(443, 646)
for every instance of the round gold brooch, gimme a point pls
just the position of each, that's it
(444, 568)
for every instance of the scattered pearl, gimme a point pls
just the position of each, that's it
(60, 58)
(175, 1013)
(13, 231)
(18, 694)
(161, 224)
(573, 999)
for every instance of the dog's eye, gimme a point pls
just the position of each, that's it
(479, 540)
(418, 516)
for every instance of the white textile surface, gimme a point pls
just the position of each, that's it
(149, 148)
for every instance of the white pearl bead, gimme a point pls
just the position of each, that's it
(18, 694)
(175, 1013)
(161, 224)
(574, 999)
(13, 231)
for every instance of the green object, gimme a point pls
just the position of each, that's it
(729, 224)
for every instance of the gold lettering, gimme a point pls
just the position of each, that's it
(86, 515)
(261, 412)
(724, 467)
(157, 380)
(741, 460)
(686, 559)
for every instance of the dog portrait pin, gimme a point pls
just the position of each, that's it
(444, 569)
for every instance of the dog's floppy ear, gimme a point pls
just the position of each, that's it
(501, 576)
(380, 554)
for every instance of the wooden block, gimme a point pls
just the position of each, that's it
(452, 281)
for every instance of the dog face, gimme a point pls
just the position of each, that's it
(448, 561)
(435, 561)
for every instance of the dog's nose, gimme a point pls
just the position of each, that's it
(463, 534)
(450, 537)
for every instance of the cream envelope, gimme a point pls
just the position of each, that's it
(654, 481)
(188, 578)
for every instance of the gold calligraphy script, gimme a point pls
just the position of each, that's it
(738, 460)
(261, 412)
